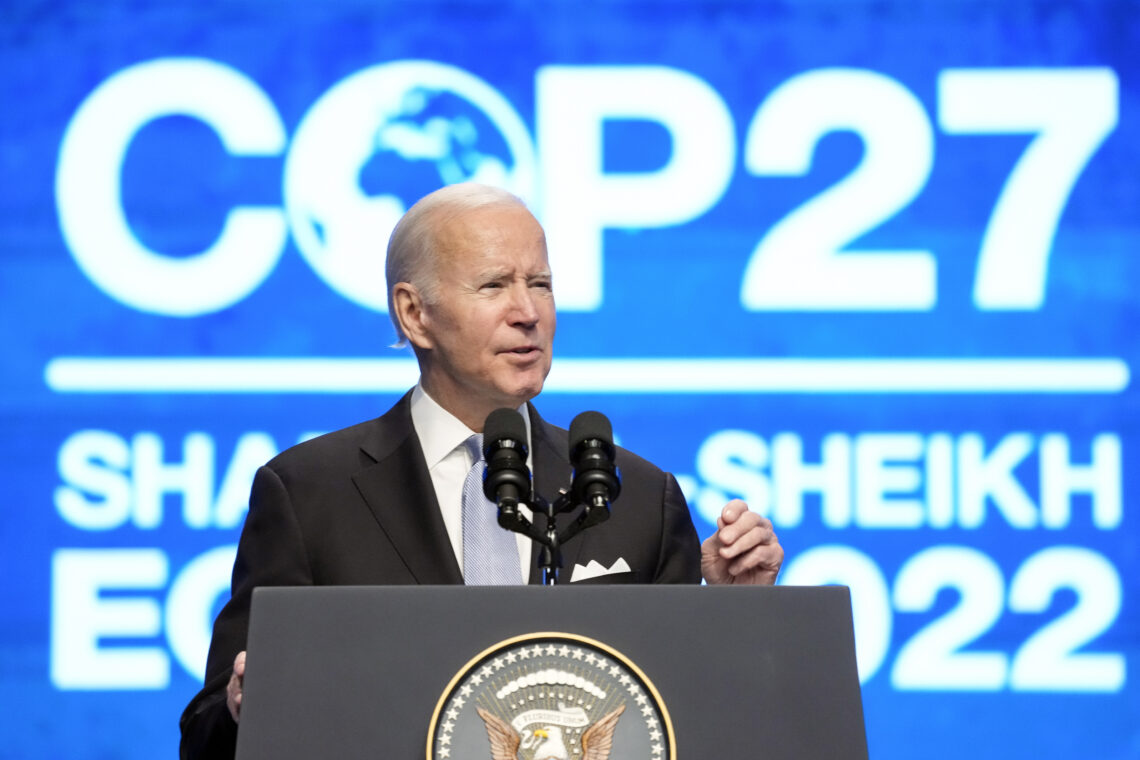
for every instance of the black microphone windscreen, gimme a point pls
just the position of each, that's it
(503, 424)
(590, 425)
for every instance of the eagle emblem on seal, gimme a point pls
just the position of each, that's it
(550, 696)
(549, 741)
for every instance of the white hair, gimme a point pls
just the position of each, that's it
(412, 253)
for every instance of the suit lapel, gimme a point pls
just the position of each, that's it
(397, 489)
(550, 457)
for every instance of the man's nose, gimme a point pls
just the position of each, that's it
(524, 310)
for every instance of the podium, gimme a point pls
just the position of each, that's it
(656, 672)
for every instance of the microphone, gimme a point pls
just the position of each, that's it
(596, 481)
(507, 480)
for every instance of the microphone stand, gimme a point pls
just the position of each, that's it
(549, 538)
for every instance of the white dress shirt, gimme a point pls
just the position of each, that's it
(441, 437)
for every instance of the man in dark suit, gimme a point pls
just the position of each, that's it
(381, 502)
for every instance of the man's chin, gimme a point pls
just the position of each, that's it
(527, 389)
(524, 395)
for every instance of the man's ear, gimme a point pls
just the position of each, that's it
(409, 306)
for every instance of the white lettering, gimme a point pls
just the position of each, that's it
(89, 200)
(193, 478)
(804, 262)
(793, 477)
(94, 462)
(906, 481)
(580, 200)
(108, 481)
(933, 658)
(1060, 479)
(983, 477)
(732, 460)
(877, 460)
(1071, 111)
(80, 618)
(940, 480)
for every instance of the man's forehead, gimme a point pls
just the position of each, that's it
(476, 266)
(540, 269)
(490, 242)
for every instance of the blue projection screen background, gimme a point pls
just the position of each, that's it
(871, 266)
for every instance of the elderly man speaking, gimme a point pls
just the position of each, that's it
(383, 502)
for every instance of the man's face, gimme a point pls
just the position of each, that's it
(491, 328)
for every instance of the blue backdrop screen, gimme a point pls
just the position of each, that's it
(870, 266)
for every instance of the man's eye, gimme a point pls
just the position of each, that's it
(544, 284)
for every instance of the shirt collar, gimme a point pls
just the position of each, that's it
(440, 432)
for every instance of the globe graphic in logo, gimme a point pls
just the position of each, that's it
(378, 141)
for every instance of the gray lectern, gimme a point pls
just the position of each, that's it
(456, 673)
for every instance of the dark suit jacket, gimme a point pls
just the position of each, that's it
(357, 507)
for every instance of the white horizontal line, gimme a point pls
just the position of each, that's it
(844, 375)
(641, 376)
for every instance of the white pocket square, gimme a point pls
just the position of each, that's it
(593, 569)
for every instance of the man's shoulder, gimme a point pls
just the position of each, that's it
(351, 446)
(338, 440)
(628, 460)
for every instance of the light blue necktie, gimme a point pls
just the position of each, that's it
(490, 553)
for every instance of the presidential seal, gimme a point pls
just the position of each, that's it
(550, 696)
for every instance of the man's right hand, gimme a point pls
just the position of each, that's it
(233, 688)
